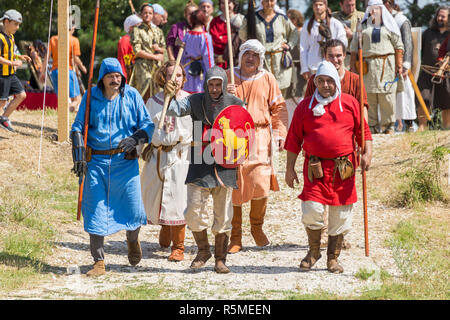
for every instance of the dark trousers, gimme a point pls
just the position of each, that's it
(97, 243)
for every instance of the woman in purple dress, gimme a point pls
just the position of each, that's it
(179, 30)
(198, 56)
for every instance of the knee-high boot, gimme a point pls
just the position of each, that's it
(220, 253)
(164, 236)
(333, 252)
(257, 213)
(236, 231)
(314, 250)
(177, 233)
(204, 253)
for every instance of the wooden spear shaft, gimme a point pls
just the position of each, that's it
(230, 46)
(88, 102)
(363, 139)
(419, 95)
(172, 78)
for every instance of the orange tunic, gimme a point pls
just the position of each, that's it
(265, 103)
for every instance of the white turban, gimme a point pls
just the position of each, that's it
(252, 45)
(326, 68)
(157, 8)
(388, 19)
(276, 9)
(131, 21)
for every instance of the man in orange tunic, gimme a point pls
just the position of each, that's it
(262, 97)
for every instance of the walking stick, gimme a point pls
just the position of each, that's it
(88, 103)
(133, 11)
(363, 140)
(419, 95)
(167, 98)
(230, 47)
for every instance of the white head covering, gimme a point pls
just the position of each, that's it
(131, 21)
(388, 19)
(157, 8)
(252, 45)
(326, 68)
(276, 9)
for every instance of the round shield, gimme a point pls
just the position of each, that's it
(232, 135)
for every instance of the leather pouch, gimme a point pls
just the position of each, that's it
(315, 170)
(345, 167)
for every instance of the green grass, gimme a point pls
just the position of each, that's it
(420, 249)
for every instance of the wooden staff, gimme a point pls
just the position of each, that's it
(363, 140)
(167, 98)
(133, 11)
(230, 46)
(419, 95)
(88, 102)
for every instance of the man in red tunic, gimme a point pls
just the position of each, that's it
(325, 127)
(335, 53)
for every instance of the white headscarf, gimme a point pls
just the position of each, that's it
(276, 8)
(326, 68)
(252, 45)
(131, 21)
(388, 19)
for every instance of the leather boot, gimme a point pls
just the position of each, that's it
(220, 253)
(97, 270)
(204, 253)
(236, 231)
(134, 252)
(178, 233)
(257, 213)
(314, 250)
(324, 238)
(333, 252)
(164, 236)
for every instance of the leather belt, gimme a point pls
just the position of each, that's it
(272, 53)
(90, 152)
(262, 125)
(384, 57)
(148, 151)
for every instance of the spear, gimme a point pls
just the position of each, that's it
(88, 102)
(230, 46)
(167, 98)
(363, 140)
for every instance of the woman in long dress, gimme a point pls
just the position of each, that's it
(166, 164)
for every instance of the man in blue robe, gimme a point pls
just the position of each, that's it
(118, 122)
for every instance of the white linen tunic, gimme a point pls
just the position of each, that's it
(165, 202)
(310, 56)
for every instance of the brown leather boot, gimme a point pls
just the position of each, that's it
(97, 270)
(236, 231)
(164, 236)
(333, 252)
(257, 213)
(134, 252)
(178, 233)
(314, 250)
(204, 253)
(220, 253)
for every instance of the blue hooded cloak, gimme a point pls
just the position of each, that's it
(112, 192)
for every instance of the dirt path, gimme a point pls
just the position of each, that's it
(256, 273)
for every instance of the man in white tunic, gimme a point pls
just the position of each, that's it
(315, 33)
(166, 165)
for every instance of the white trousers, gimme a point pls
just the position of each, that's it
(196, 214)
(339, 217)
